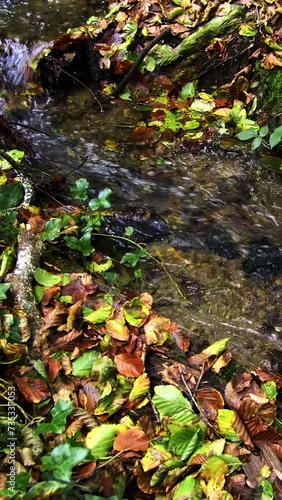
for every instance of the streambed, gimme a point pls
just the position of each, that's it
(223, 207)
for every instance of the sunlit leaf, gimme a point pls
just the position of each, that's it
(100, 440)
(216, 348)
(170, 402)
(248, 29)
(132, 439)
(155, 456)
(202, 106)
(45, 278)
(15, 154)
(189, 489)
(207, 450)
(62, 460)
(270, 389)
(99, 315)
(129, 364)
(184, 441)
(226, 420)
(140, 387)
(156, 330)
(82, 366)
(136, 312)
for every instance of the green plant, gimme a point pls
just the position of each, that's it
(259, 137)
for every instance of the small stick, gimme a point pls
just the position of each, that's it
(138, 61)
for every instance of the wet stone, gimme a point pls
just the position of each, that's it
(263, 262)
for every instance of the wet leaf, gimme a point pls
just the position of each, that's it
(156, 330)
(100, 440)
(184, 442)
(133, 439)
(129, 365)
(155, 456)
(80, 190)
(4, 287)
(34, 390)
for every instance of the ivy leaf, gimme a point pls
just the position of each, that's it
(52, 230)
(82, 366)
(102, 201)
(83, 244)
(100, 440)
(80, 190)
(62, 460)
(45, 489)
(60, 412)
(11, 195)
(45, 278)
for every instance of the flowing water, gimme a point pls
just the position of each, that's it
(224, 208)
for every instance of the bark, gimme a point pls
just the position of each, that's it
(194, 45)
(30, 249)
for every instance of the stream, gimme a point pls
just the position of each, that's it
(223, 206)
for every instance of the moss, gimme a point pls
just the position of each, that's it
(270, 95)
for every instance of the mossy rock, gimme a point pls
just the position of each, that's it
(270, 95)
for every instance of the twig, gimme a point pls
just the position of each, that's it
(138, 61)
(189, 393)
(81, 83)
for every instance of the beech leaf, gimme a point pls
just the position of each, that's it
(100, 440)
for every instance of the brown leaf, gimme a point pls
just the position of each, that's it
(34, 390)
(50, 293)
(129, 365)
(210, 400)
(270, 61)
(67, 342)
(13, 351)
(55, 316)
(132, 439)
(265, 375)
(53, 367)
(84, 471)
(88, 396)
(242, 430)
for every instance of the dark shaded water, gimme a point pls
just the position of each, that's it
(224, 208)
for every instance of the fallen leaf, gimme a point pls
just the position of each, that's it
(34, 390)
(132, 439)
(129, 365)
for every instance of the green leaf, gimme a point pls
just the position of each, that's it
(45, 278)
(164, 54)
(38, 292)
(189, 90)
(184, 441)
(256, 143)
(100, 440)
(267, 490)
(189, 489)
(133, 258)
(264, 131)
(82, 366)
(275, 137)
(225, 421)
(80, 190)
(170, 402)
(15, 154)
(4, 287)
(102, 201)
(270, 389)
(216, 348)
(246, 134)
(40, 368)
(191, 125)
(248, 30)
(83, 244)
(45, 488)
(11, 195)
(100, 315)
(62, 460)
(202, 106)
(52, 230)
(129, 230)
(60, 412)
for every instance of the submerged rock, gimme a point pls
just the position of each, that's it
(147, 227)
(263, 261)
